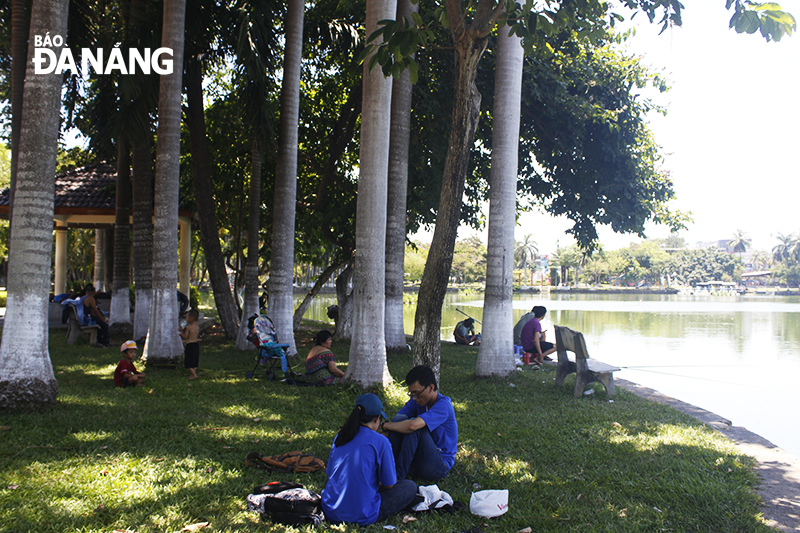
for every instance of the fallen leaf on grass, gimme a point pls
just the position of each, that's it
(525, 530)
(256, 420)
(408, 518)
(579, 496)
(150, 391)
(617, 425)
(196, 527)
(4, 428)
(12, 487)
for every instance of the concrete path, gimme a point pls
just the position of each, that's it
(779, 471)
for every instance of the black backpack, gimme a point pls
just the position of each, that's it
(286, 503)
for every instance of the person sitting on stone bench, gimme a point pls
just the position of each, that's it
(95, 315)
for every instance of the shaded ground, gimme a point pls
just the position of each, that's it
(779, 471)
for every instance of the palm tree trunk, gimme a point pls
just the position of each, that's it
(26, 373)
(19, 48)
(281, 294)
(250, 306)
(496, 354)
(163, 345)
(368, 348)
(204, 196)
(99, 274)
(396, 206)
(142, 193)
(119, 321)
(468, 48)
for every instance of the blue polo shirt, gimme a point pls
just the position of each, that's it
(441, 422)
(355, 471)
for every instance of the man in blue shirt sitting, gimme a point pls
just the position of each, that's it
(424, 433)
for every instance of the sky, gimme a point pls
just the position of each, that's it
(730, 137)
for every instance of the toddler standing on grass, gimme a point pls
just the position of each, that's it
(191, 348)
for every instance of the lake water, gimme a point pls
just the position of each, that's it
(737, 356)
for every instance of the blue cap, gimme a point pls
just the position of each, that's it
(372, 405)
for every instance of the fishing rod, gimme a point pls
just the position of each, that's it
(465, 314)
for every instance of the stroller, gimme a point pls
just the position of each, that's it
(263, 335)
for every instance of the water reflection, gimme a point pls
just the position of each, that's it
(735, 356)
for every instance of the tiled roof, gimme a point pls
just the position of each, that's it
(89, 187)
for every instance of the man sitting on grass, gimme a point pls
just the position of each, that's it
(464, 333)
(424, 433)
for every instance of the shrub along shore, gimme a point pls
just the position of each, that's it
(171, 454)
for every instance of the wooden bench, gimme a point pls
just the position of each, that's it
(586, 370)
(74, 328)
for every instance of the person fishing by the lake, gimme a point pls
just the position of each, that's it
(464, 333)
(533, 337)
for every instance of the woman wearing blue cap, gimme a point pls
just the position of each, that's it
(362, 483)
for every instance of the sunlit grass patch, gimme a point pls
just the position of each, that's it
(170, 454)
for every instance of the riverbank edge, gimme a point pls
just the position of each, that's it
(778, 470)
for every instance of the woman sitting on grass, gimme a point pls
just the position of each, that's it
(362, 483)
(321, 366)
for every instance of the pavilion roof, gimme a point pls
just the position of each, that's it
(88, 190)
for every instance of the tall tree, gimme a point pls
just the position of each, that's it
(119, 320)
(525, 253)
(740, 242)
(396, 208)
(281, 294)
(162, 345)
(142, 194)
(368, 348)
(19, 47)
(470, 38)
(496, 354)
(26, 373)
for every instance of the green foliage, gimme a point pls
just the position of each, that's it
(788, 274)
(767, 17)
(72, 158)
(692, 266)
(170, 454)
(415, 258)
(194, 297)
(5, 166)
(469, 261)
(603, 166)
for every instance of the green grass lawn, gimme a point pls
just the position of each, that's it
(161, 457)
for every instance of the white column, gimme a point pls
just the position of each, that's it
(184, 273)
(60, 282)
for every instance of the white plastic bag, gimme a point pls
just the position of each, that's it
(489, 503)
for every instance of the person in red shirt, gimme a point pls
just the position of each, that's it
(126, 374)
